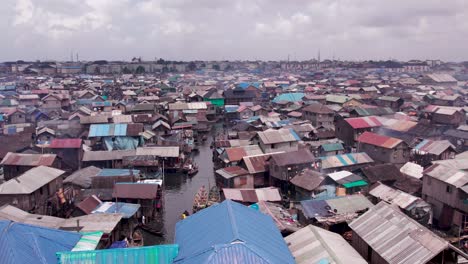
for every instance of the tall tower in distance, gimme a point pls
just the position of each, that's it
(318, 59)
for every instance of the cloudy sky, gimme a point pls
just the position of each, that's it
(234, 29)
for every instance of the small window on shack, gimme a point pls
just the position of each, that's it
(448, 189)
(243, 180)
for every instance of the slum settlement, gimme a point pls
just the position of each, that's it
(309, 162)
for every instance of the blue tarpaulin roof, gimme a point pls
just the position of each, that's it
(161, 254)
(230, 232)
(21, 243)
(107, 130)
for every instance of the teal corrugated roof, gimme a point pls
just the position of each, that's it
(332, 147)
(289, 97)
(162, 254)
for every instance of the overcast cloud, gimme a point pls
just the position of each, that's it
(234, 29)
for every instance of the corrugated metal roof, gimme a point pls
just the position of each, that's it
(344, 160)
(88, 241)
(22, 243)
(188, 106)
(393, 196)
(83, 176)
(57, 143)
(435, 147)
(107, 155)
(94, 222)
(289, 97)
(441, 77)
(257, 163)
(230, 172)
(126, 209)
(202, 235)
(313, 244)
(161, 254)
(270, 194)
(158, 151)
(122, 119)
(117, 172)
(332, 147)
(20, 159)
(448, 175)
(278, 136)
(107, 130)
(379, 140)
(364, 122)
(135, 190)
(9, 212)
(30, 181)
(237, 153)
(308, 179)
(396, 237)
(412, 169)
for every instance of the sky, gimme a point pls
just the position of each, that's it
(234, 29)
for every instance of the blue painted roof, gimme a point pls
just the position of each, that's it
(289, 97)
(245, 85)
(230, 231)
(231, 108)
(126, 209)
(161, 254)
(22, 243)
(107, 130)
(117, 172)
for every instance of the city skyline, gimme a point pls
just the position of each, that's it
(233, 30)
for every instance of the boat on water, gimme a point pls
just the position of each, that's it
(201, 199)
(190, 168)
(204, 199)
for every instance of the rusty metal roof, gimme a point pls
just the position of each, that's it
(364, 122)
(20, 159)
(89, 204)
(237, 153)
(396, 237)
(257, 163)
(379, 140)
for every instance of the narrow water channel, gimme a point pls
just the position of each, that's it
(180, 191)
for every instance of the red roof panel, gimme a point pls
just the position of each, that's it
(364, 122)
(65, 143)
(378, 140)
